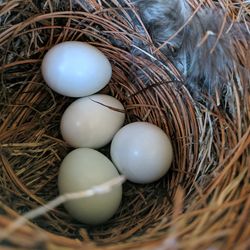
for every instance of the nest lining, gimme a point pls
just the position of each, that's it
(203, 199)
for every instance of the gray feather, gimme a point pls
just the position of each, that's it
(204, 63)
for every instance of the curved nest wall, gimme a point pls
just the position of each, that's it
(202, 203)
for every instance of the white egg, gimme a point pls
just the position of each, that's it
(82, 169)
(91, 122)
(76, 69)
(142, 152)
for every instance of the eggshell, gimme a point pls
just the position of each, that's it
(80, 170)
(92, 121)
(76, 69)
(142, 152)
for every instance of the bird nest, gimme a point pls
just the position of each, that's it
(202, 203)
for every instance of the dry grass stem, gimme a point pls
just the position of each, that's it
(96, 190)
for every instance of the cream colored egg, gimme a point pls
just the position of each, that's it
(92, 121)
(82, 169)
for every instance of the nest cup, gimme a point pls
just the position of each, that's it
(203, 201)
